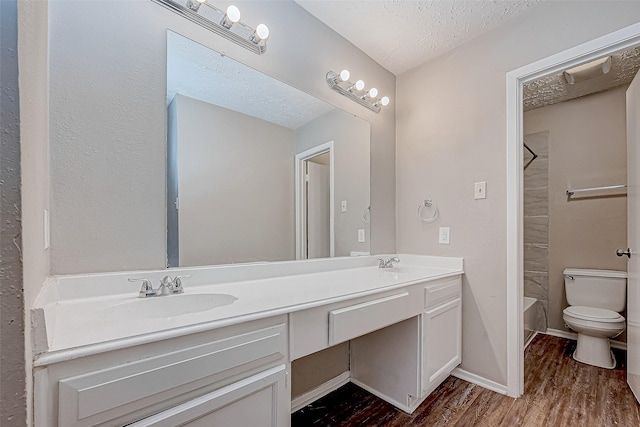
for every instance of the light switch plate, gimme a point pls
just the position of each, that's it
(480, 190)
(344, 206)
(360, 235)
(444, 235)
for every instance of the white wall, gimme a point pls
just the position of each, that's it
(108, 132)
(451, 132)
(351, 173)
(587, 148)
(235, 186)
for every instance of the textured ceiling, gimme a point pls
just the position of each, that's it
(198, 72)
(402, 34)
(554, 88)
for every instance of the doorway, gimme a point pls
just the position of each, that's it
(619, 40)
(315, 202)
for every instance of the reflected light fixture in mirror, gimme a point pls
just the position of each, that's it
(224, 23)
(356, 91)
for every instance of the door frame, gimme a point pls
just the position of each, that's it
(591, 50)
(301, 226)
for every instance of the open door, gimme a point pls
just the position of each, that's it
(318, 195)
(633, 237)
(315, 237)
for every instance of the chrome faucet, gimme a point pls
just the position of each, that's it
(388, 263)
(173, 286)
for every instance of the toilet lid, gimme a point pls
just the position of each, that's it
(593, 314)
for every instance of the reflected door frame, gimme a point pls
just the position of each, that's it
(300, 197)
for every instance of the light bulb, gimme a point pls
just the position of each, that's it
(233, 13)
(344, 75)
(373, 92)
(261, 33)
(202, 1)
(231, 17)
(384, 101)
(359, 85)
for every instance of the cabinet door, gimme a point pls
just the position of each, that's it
(442, 340)
(258, 401)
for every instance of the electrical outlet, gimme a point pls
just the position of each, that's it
(444, 235)
(480, 190)
(361, 235)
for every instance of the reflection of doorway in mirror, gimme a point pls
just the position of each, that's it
(315, 236)
(317, 196)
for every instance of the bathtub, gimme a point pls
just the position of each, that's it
(530, 311)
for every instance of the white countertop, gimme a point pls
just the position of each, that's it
(89, 314)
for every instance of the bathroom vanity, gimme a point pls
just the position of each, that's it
(221, 352)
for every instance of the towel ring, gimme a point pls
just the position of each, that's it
(366, 215)
(427, 203)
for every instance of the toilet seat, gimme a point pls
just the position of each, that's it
(593, 314)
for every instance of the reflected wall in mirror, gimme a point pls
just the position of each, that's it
(258, 170)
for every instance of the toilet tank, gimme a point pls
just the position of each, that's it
(596, 288)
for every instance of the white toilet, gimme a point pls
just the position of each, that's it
(596, 298)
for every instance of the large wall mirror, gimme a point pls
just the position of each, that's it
(256, 169)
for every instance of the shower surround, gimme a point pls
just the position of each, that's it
(536, 221)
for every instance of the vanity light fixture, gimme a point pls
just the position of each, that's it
(224, 23)
(356, 91)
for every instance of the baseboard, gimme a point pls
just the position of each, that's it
(478, 380)
(320, 391)
(573, 336)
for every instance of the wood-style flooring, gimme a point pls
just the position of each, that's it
(558, 392)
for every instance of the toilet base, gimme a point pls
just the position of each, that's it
(594, 351)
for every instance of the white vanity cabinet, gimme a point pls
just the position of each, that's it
(405, 362)
(442, 332)
(229, 366)
(230, 376)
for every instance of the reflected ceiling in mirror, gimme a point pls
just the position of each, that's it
(248, 178)
(196, 71)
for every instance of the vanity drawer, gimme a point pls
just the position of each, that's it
(360, 319)
(107, 394)
(442, 292)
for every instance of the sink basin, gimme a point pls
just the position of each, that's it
(170, 305)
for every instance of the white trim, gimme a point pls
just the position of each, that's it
(621, 39)
(478, 380)
(320, 391)
(561, 334)
(531, 338)
(573, 336)
(299, 196)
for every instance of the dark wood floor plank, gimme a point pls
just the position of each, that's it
(446, 404)
(489, 409)
(527, 411)
(559, 391)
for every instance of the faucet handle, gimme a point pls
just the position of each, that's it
(177, 284)
(146, 290)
